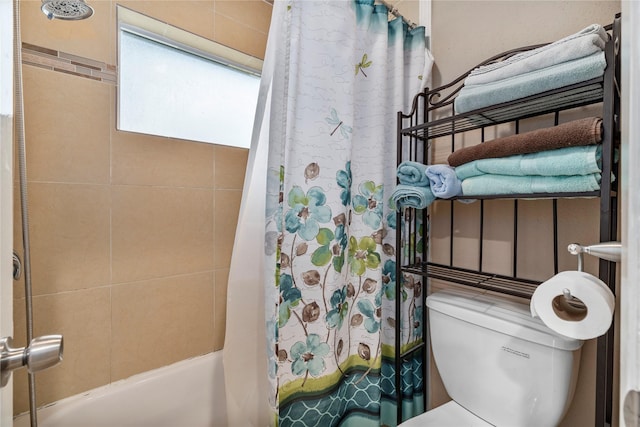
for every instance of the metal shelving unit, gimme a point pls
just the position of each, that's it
(432, 116)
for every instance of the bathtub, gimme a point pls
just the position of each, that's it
(187, 393)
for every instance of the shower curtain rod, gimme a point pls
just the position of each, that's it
(394, 11)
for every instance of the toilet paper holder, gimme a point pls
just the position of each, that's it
(610, 251)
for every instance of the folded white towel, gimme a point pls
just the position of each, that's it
(578, 45)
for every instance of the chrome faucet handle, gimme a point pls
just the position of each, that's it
(42, 353)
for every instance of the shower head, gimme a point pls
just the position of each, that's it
(70, 10)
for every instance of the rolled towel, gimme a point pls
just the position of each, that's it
(444, 182)
(582, 160)
(412, 173)
(485, 185)
(411, 196)
(556, 76)
(586, 42)
(586, 131)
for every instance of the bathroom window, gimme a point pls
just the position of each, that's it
(183, 86)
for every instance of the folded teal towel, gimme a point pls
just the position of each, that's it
(581, 160)
(531, 83)
(411, 196)
(444, 182)
(484, 185)
(412, 173)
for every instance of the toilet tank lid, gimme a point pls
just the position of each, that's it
(498, 314)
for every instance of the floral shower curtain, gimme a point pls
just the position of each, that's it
(341, 73)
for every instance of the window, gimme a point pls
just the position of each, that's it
(183, 87)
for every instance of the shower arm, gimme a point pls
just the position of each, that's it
(609, 251)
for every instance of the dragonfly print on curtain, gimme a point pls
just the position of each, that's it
(342, 73)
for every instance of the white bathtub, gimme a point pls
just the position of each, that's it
(188, 393)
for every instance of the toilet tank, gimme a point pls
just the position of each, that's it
(498, 362)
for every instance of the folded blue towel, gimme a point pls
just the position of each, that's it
(412, 173)
(586, 42)
(581, 160)
(444, 182)
(484, 185)
(412, 196)
(523, 85)
(585, 32)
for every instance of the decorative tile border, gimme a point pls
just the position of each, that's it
(67, 63)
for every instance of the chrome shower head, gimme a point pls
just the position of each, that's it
(70, 10)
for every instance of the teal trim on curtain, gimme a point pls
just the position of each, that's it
(357, 401)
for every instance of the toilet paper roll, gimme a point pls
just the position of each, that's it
(574, 304)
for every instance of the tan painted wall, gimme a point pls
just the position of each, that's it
(131, 235)
(465, 33)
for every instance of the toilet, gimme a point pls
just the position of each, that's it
(500, 366)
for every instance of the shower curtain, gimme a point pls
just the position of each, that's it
(319, 250)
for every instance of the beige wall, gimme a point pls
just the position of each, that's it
(465, 33)
(131, 235)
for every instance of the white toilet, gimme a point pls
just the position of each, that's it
(500, 366)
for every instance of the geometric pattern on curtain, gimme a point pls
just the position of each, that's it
(342, 74)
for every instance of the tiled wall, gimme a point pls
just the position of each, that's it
(131, 235)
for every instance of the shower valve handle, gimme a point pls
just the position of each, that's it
(42, 353)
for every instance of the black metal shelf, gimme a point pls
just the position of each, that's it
(574, 96)
(515, 286)
(530, 196)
